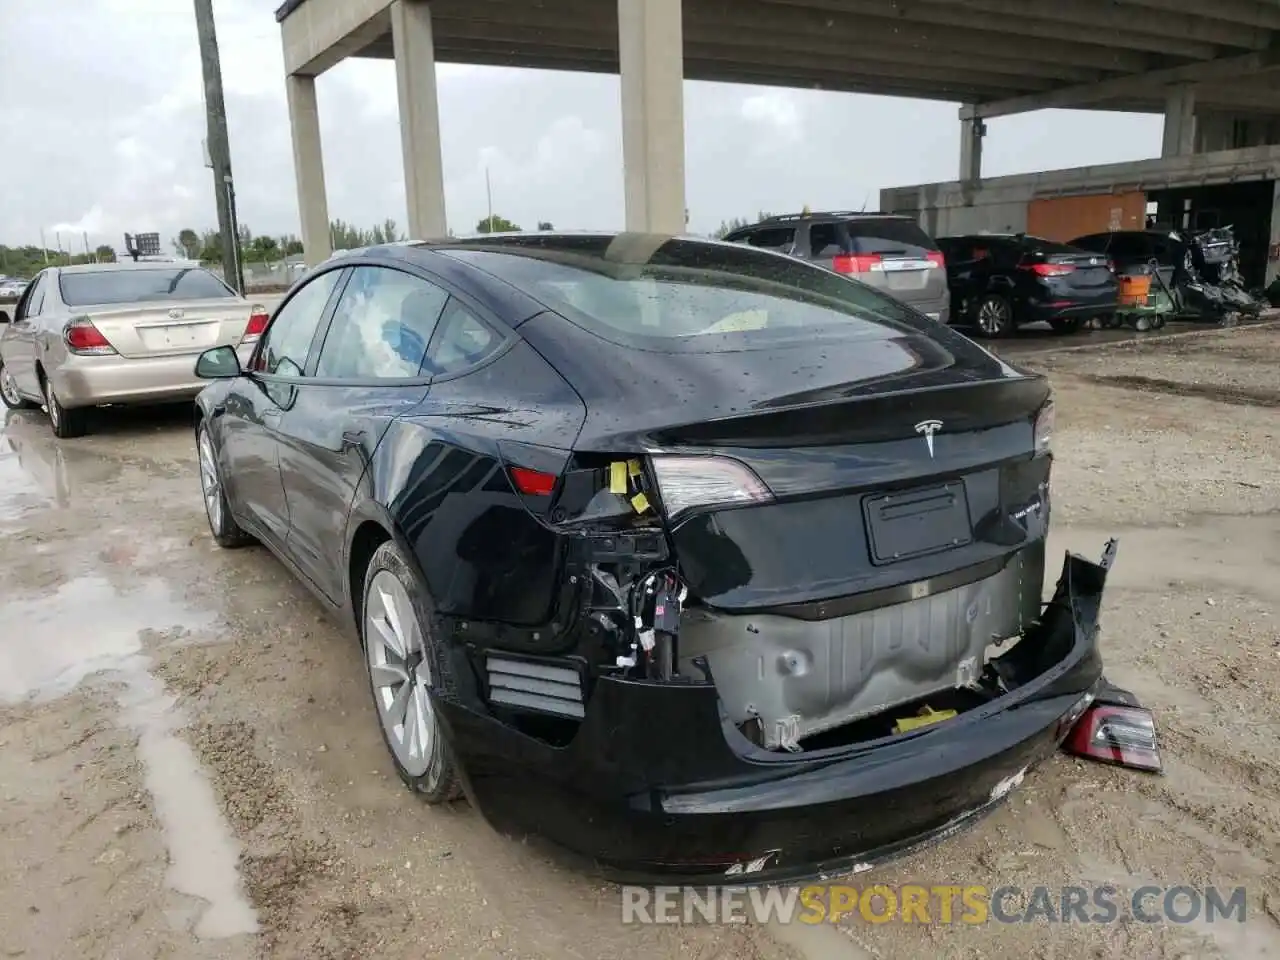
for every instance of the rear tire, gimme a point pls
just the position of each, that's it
(406, 670)
(66, 423)
(1065, 325)
(9, 391)
(994, 317)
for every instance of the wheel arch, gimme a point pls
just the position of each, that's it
(369, 526)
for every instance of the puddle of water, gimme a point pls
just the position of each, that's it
(18, 494)
(50, 645)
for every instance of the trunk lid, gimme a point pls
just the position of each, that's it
(141, 330)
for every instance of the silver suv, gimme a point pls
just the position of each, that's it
(885, 251)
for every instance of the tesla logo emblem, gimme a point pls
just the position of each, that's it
(175, 314)
(929, 428)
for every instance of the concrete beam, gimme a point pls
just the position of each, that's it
(1179, 122)
(419, 118)
(1113, 19)
(751, 47)
(1081, 36)
(651, 62)
(1226, 68)
(1253, 13)
(320, 33)
(308, 164)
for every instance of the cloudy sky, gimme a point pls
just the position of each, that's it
(103, 117)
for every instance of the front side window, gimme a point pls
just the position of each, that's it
(288, 340)
(159, 284)
(381, 326)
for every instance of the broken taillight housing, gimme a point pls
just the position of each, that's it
(1122, 735)
(691, 483)
(1044, 428)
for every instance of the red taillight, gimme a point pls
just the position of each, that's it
(82, 336)
(856, 262)
(937, 259)
(1049, 269)
(256, 325)
(1114, 734)
(533, 483)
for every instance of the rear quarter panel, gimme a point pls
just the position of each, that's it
(439, 476)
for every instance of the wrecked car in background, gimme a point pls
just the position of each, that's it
(693, 558)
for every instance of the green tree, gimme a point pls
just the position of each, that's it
(496, 224)
(187, 243)
(545, 225)
(106, 254)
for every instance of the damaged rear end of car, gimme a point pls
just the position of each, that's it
(798, 621)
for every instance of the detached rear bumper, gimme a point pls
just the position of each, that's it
(657, 784)
(85, 381)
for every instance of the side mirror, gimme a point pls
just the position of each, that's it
(220, 363)
(4, 317)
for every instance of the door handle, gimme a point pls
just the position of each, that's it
(353, 438)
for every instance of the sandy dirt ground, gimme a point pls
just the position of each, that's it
(189, 766)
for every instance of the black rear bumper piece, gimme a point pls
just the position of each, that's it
(656, 786)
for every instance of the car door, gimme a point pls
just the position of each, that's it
(255, 405)
(20, 339)
(962, 268)
(370, 368)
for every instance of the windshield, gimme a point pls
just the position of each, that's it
(695, 296)
(140, 286)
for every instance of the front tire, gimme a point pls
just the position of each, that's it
(9, 391)
(406, 668)
(994, 316)
(66, 423)
(226, 532)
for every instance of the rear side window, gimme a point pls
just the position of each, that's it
(893, 238)
(381, 326)
(826, 240)
(773, 238)
(141, 286)
(462, 341)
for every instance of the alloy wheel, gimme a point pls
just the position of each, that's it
(993, 316)
(51, 405)
(400, 669)
(9, 388)
(210, 486)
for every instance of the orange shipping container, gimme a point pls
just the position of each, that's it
(1065, 218)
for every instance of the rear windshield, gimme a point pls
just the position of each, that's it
(701, 297)
(134, 286)
(1049, 248)
(902, 238)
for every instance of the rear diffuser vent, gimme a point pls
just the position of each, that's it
(544, 687)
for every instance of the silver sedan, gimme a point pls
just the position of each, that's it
(119, 333)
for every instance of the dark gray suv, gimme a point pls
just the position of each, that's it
(885, 251)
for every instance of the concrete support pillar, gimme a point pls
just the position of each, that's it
(971, 134)
(308, 168)
(1179, 122)
(651, 58)
(415, 53)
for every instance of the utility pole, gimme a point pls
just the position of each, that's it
(219, 147)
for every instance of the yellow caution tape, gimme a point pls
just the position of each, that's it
(618, 476)
(926, 717)
(633, 468)
(640, 502)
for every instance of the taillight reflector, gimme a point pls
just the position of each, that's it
(1049, 269)
(82, 336)
(533, 483)
(257, 324)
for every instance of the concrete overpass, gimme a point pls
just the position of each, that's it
(1211, 66)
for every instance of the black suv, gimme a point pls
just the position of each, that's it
(1001, 281)
(885, 251)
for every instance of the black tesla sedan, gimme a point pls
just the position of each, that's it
(695, 558)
